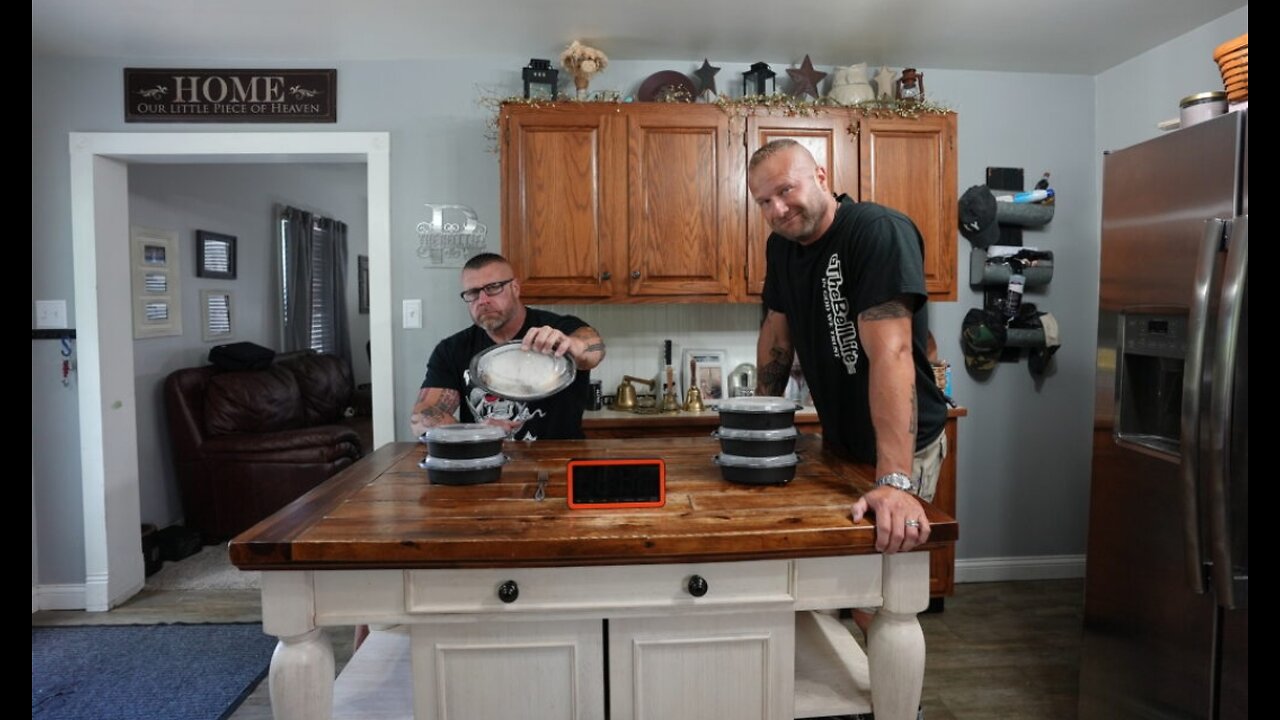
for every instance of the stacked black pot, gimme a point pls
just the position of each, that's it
(464, 454)
(757, 440)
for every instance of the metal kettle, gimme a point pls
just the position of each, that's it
(742, 381)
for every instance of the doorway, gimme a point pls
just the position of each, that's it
(100, 228)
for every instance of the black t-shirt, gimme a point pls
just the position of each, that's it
(869, 256)
(558, 417)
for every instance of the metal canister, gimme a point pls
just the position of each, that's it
(595, 399)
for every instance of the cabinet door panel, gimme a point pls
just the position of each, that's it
(559, 227)
(681, 220)
(833, 141)
(547, 670)
(910, 166)
(735, 665)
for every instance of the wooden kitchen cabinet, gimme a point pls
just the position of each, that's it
(648, 202)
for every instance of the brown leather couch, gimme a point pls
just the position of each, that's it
(247, 443)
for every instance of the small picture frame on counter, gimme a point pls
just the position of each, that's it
(709, 375)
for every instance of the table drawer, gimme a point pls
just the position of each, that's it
(602, 587)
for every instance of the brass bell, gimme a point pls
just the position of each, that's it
(626, 397)
(693, 399)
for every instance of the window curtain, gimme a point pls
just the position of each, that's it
(314, 283)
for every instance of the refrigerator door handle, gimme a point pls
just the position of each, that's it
(1235, 275)
(1193, 370)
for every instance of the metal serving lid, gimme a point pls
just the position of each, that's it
(775, 461)
(483, 463)
(510, 371)
(725, 433)
(757, 404)
(460, 433)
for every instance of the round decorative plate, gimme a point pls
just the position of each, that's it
(667, 86)
(510, 371)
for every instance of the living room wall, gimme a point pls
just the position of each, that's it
(236, 200)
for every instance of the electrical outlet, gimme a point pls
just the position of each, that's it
(412, 312)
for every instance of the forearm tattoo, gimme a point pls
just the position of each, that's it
(442, 410)
(594, 347)
(774, 375)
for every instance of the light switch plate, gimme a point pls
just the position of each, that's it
(51, 314)
(412, 312)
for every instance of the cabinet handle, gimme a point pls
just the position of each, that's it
(698, 586)
(635, 274)
(606, 275)
(508, 591)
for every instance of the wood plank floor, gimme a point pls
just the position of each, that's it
(999, 650)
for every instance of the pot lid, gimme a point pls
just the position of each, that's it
(459, 433)
(510, 371)
(758, 404)
(743, 461)
(462, 464)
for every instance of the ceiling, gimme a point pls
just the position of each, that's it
(1065, 36)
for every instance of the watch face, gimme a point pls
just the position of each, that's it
(900, 481)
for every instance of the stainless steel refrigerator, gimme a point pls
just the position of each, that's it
(1167, 580)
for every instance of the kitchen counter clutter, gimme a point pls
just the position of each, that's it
(699, 608)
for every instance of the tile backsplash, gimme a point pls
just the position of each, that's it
(634, 335)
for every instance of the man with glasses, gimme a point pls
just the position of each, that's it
(492, 295)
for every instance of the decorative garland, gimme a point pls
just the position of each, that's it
(749, 104)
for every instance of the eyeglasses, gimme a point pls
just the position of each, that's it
(493, 288)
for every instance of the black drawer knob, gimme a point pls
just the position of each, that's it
(635, 274)
(698, 586)
(508, 591)
(606, 275)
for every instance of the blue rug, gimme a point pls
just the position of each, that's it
(145, 672)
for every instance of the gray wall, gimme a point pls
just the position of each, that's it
(1024, 449)
(236, 200)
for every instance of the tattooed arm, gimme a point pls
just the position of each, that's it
(886, 337)
(774, 353)
(584, 345)
(435, 406)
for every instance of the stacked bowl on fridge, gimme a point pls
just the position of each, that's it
(757, 440)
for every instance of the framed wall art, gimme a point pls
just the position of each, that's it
(709, 373)
(215, 255)
(215, 309)
(155, 283)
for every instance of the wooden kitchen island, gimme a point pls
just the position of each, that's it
(513, 607)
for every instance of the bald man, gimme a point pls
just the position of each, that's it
(844, 290)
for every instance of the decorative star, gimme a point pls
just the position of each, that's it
(884, 83)
(805, 80)
(707, 77)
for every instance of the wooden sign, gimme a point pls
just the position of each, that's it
(230, 96)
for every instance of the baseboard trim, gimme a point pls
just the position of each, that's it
(1021, 567)
(60, 597)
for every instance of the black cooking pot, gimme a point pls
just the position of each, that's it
(468, 471)
(757, 443)
(757, 413)
(777, 470)
(462, 441)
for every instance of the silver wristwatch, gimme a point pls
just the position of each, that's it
(902, 481)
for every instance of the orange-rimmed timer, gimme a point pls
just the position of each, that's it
(617, 483)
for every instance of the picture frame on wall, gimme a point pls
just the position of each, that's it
(362, 280)
(710, 373)
(215, 255)
(216, 312)
(155, 283)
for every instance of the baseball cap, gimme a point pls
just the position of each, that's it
(982, 338)
(978, 217)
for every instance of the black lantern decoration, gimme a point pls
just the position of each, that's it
(753, 80)
(540, 79)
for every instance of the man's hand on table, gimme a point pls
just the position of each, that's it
(894, 509)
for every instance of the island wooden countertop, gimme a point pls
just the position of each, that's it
(382, 512)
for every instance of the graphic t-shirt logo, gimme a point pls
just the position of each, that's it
(497, 410)
(844, 334)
